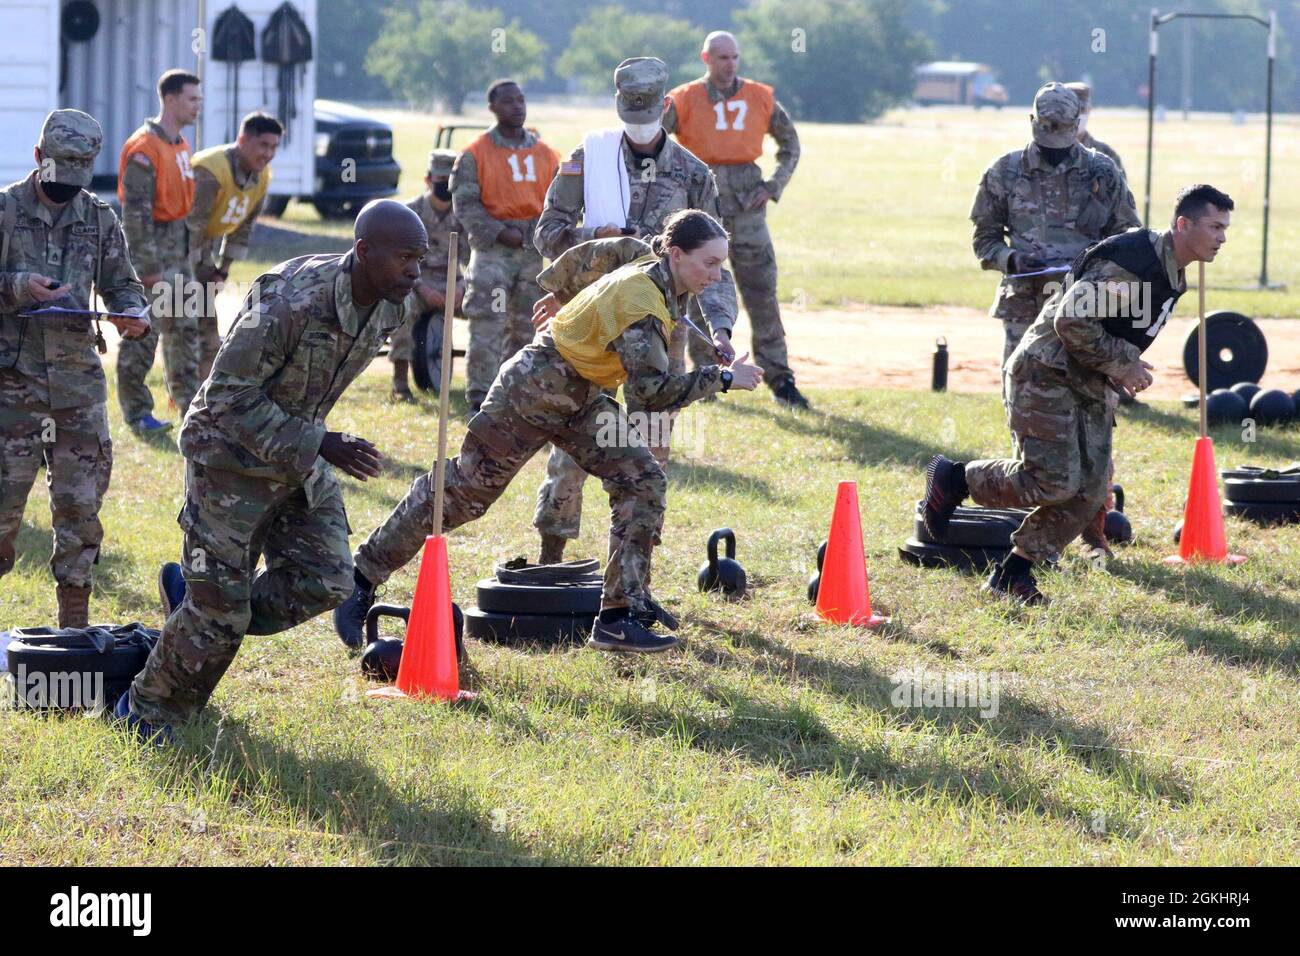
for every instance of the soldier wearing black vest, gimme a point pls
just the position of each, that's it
(1089, 338)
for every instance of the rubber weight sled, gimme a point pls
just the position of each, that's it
(76, 668)
(974, 527)
(544, 629)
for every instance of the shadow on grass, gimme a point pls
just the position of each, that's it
(1198, 586)
(685, 475)
(342, 798)
(861, 442)
(114, 573)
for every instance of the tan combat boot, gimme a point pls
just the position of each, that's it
(552, 549)
(401, 390)
(1094, 535)
(74, 606)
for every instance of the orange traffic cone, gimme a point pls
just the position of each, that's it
(843, 596)
(1203, 538)
(429, 667)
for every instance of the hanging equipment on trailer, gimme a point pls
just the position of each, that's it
(286, 42)
(234, 41)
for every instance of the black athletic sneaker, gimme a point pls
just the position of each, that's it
(788, 395)
(655, 613)
(350, 616)
(171, 587)
(1020, 588)
(944, 491)
(629, 635)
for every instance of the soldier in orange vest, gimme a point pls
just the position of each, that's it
(498, 189)
(722, 119)
(156, 187)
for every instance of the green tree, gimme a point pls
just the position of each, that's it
(832, 60)
(442, 51)
(608, 36)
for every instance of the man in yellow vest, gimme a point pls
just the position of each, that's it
(230, 184)
(722, 119)
(155, 184)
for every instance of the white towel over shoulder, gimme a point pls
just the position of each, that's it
(605, 189)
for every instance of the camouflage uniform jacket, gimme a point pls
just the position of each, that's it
(643, 346)
(734, 182)
(1068, 335)
(153, 244)
(57, 356)
(1088, 140)
(677, 180)
(467, 201)
(1051, 214)
(439, 226)
(234, 245)
(297, 344)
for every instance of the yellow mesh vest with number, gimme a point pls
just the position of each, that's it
(600, 313)
(233, 205)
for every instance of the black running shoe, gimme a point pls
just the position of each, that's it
(655, 613)
(944, 491)
(1020, 588)
(629, 635)
(350, 616)
(788, 395)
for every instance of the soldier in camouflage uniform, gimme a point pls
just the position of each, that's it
(663, 178)
(730, 147)
(56, 239)
(1085, 344)
(156, 189)
(1040, 206)
(220, 223)
(258, 475)
(1084, 94)
(616, 329)
(433, 206)
(504, 263)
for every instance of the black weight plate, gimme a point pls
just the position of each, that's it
(426, 364)
(39, 661)
(1289, 473)
(527, 628)
(928, 555)
(975, 527)
(1249, 490)
(1231, 333)
(579, 570)
(1265, 512)
(582, 597)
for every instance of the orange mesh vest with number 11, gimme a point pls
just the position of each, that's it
(513, 182)
(728, 132)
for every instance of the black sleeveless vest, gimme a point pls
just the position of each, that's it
(1133, 251)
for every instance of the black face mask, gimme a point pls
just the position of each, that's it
(60, 192)
(1055, 157)
(442, 190)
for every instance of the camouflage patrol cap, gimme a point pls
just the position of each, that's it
(71, 139)
(1056, 116)
(440, 162)
(1083, 92)
(641, 84)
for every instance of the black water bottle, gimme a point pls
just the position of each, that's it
(939, 378)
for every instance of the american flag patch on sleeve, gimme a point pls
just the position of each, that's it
(571, 167)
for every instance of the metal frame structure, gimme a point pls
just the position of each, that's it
(1158, 20)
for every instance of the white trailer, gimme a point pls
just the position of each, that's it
(113, 76)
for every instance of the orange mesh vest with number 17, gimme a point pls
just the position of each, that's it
(513, 182)
(173, 179)
(728, 132)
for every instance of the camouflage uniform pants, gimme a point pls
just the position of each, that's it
(1017, 304)
(74, 446)
(538, 397)
(229, 521)
(209, 337)
(501, 287)
(401, 341)
(1062, 464)
(753, 264)
(175, 317)
(559, 498)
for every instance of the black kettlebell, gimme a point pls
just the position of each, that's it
(815, 582)
(382, 656)
(1118, 491)
(723, 574)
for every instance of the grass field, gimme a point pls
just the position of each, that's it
(879, 214)
(1148, 716)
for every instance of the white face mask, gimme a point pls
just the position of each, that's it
(1083, 123)
(642, 133)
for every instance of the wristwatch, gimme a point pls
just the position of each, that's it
(726, 377)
